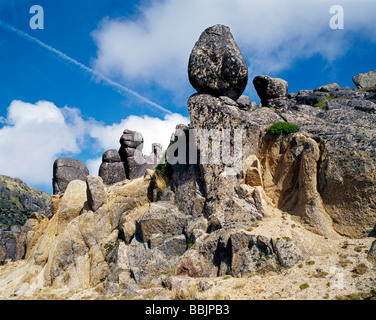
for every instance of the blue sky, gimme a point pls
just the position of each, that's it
(52, 108)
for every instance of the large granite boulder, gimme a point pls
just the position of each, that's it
(365, 80)
(272, 91)
(216, 65)
(112, 168)
(66, 170)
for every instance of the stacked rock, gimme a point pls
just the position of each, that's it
(111, 169)
(66, 170)
(216, 65)
(272, 91)
(131, 144)
(129, 162)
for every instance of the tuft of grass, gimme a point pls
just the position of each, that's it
(161, 180)
(304, 286)
(322, 104)
(188, 293)
(360, 269)
(282, 127)
(367, 88)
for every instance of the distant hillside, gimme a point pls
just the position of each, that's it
(18, 201)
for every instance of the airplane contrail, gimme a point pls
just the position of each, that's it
(120, 88)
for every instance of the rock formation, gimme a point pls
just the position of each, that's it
(129, 162)
(216, 65)
(111, 169)
(66, 170)
(17, 202)
(138, 224)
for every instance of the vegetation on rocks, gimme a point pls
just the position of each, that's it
(282, 127)
(18, 201)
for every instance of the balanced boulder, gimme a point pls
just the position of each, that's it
(216, 65)
(111, 169)
(66, 170)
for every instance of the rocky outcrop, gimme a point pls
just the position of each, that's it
(74, 247)
(204, 210)
(344, 131)
(66, 170)
(216, 65)
(17, 203)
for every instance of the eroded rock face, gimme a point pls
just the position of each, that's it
(216, 65)
(289, 174)
(75, 247)
(238, 253)
(218, 179)
(345, 135)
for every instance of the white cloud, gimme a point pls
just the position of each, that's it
(32, 136)
(155, 45)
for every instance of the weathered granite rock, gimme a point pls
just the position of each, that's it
(11, 248)
(219, 186)
(161, 217)
(130, 151)
(216, 65)
(158, 243)
(288, 254)
(112, 172)
(346, 164)
(76, 247)
(270, 88)
(365, 80)
(245, 103)
(110, 156)
(330, 87)
(309, 97)
(18, 201)
(96, 194)
(112, 168)
(66, 170)
(236, 252)
(371, 256)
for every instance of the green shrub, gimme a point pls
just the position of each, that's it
(282, 127)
